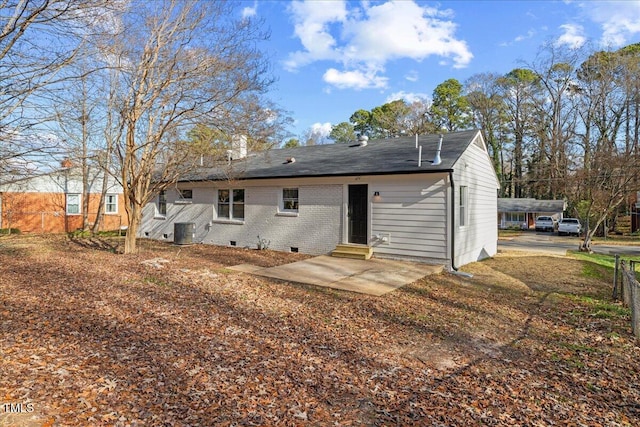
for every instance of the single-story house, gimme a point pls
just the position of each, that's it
(52, 202)
(425, 198)
(522, 213)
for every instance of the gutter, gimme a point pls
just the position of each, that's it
(453, 222)
(312, 175)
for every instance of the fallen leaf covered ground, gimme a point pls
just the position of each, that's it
(89, 337)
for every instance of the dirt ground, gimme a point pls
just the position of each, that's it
(171, 337)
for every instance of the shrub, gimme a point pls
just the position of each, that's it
(10, 231)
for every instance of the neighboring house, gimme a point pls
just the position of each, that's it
(52, 203)
(522, 213)
(389, 195)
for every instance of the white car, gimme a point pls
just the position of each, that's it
(569, 226)
(545, 223)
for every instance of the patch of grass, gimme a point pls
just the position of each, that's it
(110, 233)
(509, 232)
(599, 259)
(10, 231)
(602, 309)
(578, 347)
(85, 234)
(596, 266)
(611, 311)
(157, 281)
(596, 271)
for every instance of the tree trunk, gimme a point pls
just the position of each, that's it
(585, 245)
(130, 240)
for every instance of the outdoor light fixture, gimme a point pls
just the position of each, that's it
(376, 197)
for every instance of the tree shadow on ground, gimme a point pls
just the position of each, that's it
(97, 243)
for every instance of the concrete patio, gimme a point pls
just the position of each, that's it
(373, 277)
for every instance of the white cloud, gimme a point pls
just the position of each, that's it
(412, 76)
(410, 97)
(572, 37)
(321, 129)
(311, 26)
(523, 37)
(250, 11)
(619, 20)
(364, 39)
(520, 38)
(318, 133)
(354, 79)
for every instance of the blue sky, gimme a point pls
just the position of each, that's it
(334, 57)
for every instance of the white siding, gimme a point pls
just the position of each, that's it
(412, 217)
(479, 238)
(61, 182)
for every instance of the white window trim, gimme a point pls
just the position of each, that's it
(229, 219)
(463, 206)
(79, 204)
(287, 212)
(115, 212)
(157, 214)
(182, 200)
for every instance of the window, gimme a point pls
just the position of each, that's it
(185, 194)
(231, 204)
(111, 204)
(73, 204)
(514, 217)
(464, 209)
(162, 203)
(289, 200)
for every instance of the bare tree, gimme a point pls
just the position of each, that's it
(180, 63)
(555, 120)
(489, 114)
(38, 39)
(418, 121)
(603, 187)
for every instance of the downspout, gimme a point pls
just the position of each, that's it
(453, 222)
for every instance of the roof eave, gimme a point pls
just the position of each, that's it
(413, 172)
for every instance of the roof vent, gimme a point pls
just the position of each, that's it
(437, 160)
(363, 140)
(291, 160)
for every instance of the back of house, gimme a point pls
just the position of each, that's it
(422, 198)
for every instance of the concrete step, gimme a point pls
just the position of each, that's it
(352, 251)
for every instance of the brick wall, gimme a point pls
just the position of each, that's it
(316, 229)
(45, 213)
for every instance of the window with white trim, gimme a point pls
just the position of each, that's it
(514, 217)
(464, 208)
(111, 204)
(73, 204)
(289, 201)
(185, 194)
(161, 204)
(231, 204)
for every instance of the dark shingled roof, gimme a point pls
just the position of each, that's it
(530, 205)
(378, 157)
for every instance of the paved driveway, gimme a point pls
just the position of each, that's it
(374, 276)
(553, 244)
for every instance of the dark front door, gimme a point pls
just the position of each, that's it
(357, 213)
